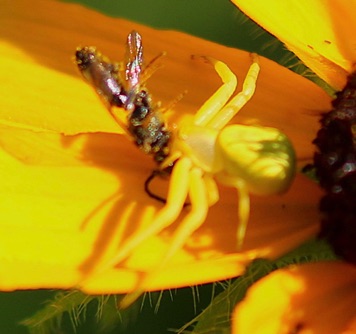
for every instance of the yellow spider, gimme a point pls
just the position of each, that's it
(203, 150)
(206, 150)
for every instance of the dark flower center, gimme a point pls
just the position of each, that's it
(335, 163)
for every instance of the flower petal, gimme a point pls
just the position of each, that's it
(311, 298)
(67, 202)
(210, 254)
(42, 207)
(54, 97)
(320, 33)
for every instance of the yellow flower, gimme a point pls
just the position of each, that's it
(321, 297)
(320, 33)
(310, 298)
(72, 183)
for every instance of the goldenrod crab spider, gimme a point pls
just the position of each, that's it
(252, 159)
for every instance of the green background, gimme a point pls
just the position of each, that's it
(216, 20)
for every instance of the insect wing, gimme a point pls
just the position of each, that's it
(133, 60)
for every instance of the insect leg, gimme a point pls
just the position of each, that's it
(163, 173)
(148, 191)
(213, 105)
(154, 65)
(233, 107)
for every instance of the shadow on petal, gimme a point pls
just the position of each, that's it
(71, 200)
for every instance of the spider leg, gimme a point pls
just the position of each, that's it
(212, 190)
(213, 105)
(199, 210)
(243, 212)
(225, 115)
(243, 205)
(178, 190)
(173, 103)
(195, 218)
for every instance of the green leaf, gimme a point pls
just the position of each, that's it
(215, 319)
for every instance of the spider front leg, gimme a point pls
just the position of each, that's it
(199, 205)
(214, 104)
(224, 116)
(177, 194)
(199, 199)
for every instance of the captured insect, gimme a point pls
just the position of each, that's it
(123, 88)
(200, 151)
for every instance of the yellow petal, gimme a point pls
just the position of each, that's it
(37, 48)
(320, 33)
(67, 202)
(315, 298)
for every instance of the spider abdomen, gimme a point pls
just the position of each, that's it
(261, 156)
